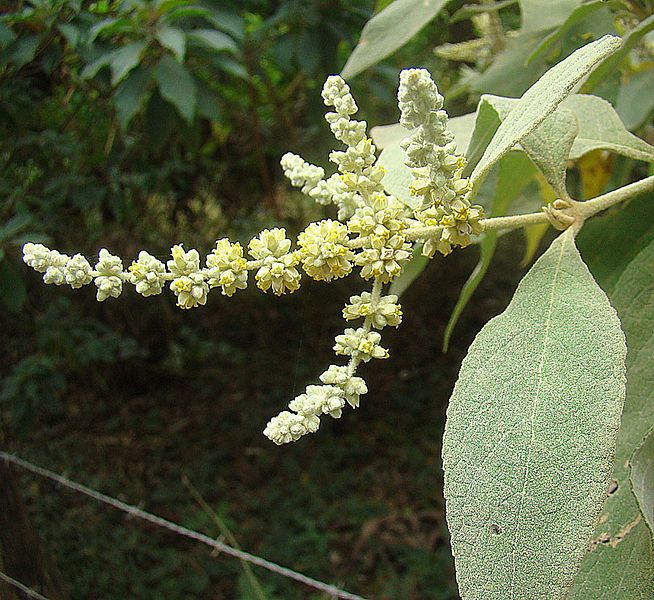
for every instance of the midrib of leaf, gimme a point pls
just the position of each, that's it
(546, 337)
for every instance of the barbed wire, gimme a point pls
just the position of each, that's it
(21, 586)
(131, 510)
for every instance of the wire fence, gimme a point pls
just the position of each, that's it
(330, 590)
(21, 586)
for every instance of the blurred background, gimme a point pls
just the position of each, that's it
(137, 125)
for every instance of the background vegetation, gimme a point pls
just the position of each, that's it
(132, 125)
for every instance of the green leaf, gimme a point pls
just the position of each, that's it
(600, 128)
(541, 100)
(487, 122)
(174, 40)
(514, 172)
(620, 563)
(23, 50)
(549, 146)
(109, 26)
(538, 15)
(611, 241)
(210, 38)
(125, 59)
(389, 30)
(71, 33)
(533, 235)
(642, 477)
(630, 40)
(510, 74)
(14, 225)
(91, 69)
(177, 86)
(578, 15)
(530, 433)
(635, 99)
(132, 94)
(187, 12)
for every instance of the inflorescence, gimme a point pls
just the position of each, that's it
(373, 231)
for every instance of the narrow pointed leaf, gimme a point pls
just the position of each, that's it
(389, 30)
(530, 433)
(541, 99)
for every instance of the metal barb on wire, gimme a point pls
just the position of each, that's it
(21, 586)
(333, 591)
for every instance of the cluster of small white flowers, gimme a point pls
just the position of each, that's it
(372, 231)
(109, 278)
(324, 250)
(301, 173)
(379, 227)
(277, 270)
(227, 268)
(435, 165)
(386, 311)
(189, 283)
(147, 274)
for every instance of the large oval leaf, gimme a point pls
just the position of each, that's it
(530, 433)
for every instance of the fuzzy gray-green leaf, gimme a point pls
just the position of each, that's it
(530, 433)
(541, 99)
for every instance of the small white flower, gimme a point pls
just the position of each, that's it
(417, 97)
(78, 272)
(359, 344)
(147, 274)
(191, 290)
(301, 173)
(183, 263)
(278, 271)
(109, 280)
(352, 386)
(319, 399)
(324, 252)
(385, 311)
(36, 256)
(289, 427)
(227, 267)
(336, 93)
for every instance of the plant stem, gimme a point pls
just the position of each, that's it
(579, 210)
